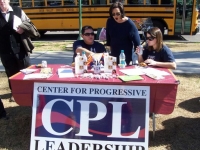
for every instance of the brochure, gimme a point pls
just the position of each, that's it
(36, 76)
(16, 22)
(65, 72)
(130, 78)
(28, 71)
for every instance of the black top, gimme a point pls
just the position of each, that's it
(96, 47)
(122, 36)
(164, 55)
(6, 31)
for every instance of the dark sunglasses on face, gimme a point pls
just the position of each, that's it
(150, 38)
(116, 14)
(88, 34)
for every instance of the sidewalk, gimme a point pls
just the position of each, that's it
(187, 62)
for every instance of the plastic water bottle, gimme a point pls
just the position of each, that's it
(105, 56)
(84, 61)
(77, 64)
(134, 57)
(122, 58)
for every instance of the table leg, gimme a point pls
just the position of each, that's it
(154, 124)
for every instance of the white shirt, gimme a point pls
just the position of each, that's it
(6, 15)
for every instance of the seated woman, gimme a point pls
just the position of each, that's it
(155, 53)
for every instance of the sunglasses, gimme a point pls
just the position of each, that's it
(150, 38)
(116, 14)
(88, 34)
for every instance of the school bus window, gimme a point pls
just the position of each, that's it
(147, 2)
(154, 1)
(167, 2)
(14, 3)
(122, 1)
(38, 3)
(84, 2)
(135, 2)
(140, 1)
(69, 2)
(26, 3)
(98, 2)
(54, 3)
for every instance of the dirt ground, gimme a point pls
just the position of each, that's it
(177, 131)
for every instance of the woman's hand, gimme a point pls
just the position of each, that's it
(150, 62)
(139, 51)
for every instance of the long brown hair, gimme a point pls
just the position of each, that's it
(157, 34)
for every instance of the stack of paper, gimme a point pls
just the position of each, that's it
(37, 76)
(131, 72)
(46, 70)
(130, 78)
(65, 72)
(16, 22)
(155, 73)
(28, 71)
(155, 76)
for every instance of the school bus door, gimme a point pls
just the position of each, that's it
(183, 16)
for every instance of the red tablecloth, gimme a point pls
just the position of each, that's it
(162, 92)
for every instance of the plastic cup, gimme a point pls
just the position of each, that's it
(140, 50)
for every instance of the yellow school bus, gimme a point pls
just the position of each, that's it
(173, 17)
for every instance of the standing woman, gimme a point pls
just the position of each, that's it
(121, 33)
(155, 53)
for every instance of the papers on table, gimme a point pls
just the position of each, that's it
(16, 22)
(37, 76)
(150, 72)
(46, 70)
(28, 71)
(153, 76)
(155, 72)
(131, 72)
(130, 78)
(65, 72)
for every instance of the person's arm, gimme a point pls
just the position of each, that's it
(140, 58)
(134, 35)
(170, 65)
(24, 17)
(168, 59)
(81, 49)
(77, 48)
(107, 33)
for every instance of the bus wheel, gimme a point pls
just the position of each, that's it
(42, 33)
(159, 25)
